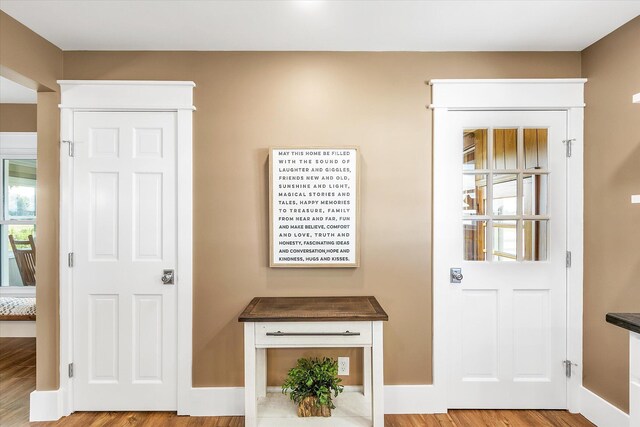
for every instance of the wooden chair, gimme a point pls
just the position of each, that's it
(25, 258)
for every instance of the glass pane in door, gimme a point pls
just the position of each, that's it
(505, 148)
(535, 240)
(535, 194)
(505, 180)
(505, 194)
(475, 239)
(474, 194)
(504, 241)
(474, 150)
(535, 148)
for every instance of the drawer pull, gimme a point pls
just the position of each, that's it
(313, 334)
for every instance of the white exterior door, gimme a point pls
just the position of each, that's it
(124, 236)
(504, 176)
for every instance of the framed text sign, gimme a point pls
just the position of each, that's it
(314, 207)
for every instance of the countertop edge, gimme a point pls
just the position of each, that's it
(623, 320)
(314, 319)
(379, 315)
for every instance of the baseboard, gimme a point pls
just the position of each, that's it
(17, 328)
(46, 405)
(229, 401)
(398, 399)
(213, 402)
(600, 412)
(413, 399)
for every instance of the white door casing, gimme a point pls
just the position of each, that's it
(172, 97)
(562, 97)
(507, 319)
(124, 237)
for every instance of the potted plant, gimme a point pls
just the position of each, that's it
(311, 383)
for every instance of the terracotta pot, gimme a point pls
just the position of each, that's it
(308, 408)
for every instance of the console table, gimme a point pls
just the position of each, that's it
(631, 322)
(297, 322)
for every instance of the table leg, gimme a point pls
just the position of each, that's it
(377, 375)
(261, 372)
(367, 371)
(250, 409)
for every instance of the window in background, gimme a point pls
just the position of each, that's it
(18, 182)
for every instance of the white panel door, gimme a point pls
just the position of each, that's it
(505, 186)
(124, 237)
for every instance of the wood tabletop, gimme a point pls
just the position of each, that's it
(629, 321)
(312, 309)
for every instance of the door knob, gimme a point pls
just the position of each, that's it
(167, 277)
(456, 275)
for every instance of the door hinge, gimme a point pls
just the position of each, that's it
(70, 370)
(568, 143)
(70, 259)
(567, 367)
(66, 141)
(568, 259)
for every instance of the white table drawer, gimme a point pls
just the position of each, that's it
(316, 334)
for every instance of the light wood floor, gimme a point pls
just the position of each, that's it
(17, 380)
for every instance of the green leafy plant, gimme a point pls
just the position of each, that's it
(314, 378)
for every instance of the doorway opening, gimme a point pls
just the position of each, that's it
(18, 178)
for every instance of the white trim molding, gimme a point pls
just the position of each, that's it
(600, 412)
(575, 244)
(17, 328)
(99, 95)
(634, 379)
(229, 401)
(17, 291)
(46, 405)
(516, 95)
(24, 143)
(413, 399)
(213, 402)
(508, 94)
(399, 399)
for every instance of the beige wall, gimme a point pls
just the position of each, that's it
(248, 102)
(612, 223)
(29, 59)
(18, 117)
(48, 224)
(281, 360)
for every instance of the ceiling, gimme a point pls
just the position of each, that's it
(13, 93)
(465, 25)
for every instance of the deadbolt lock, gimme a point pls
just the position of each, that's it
(167, 277)
(455, 275)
